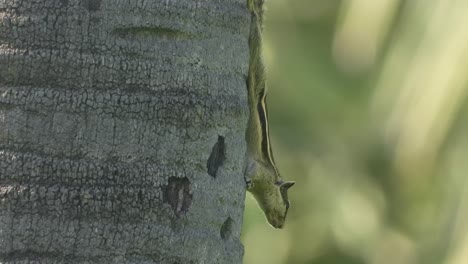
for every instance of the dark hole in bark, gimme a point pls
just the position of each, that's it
(217, 157)
(177, 194)
(226, 228)
(92, 5)
(140, 195)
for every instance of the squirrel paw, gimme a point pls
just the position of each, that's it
(249, 184)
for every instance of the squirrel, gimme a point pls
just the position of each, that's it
(262, 177)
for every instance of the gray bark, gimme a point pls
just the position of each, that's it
(122, 128)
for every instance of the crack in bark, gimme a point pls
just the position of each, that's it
(160, 32)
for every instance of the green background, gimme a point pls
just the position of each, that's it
(367, 114)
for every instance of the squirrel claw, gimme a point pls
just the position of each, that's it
(249, 184)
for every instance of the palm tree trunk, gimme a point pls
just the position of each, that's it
(122, 130)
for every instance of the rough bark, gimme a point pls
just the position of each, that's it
(122, 129)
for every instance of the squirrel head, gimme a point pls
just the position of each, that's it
(276, 214)
(273, 200)
(270, 191)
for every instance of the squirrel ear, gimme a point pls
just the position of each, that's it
(287, 185)
(279, 183)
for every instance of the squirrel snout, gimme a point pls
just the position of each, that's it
(275, 220)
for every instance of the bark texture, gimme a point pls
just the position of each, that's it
(110, 111)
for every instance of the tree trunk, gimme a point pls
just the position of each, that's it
(122, 130)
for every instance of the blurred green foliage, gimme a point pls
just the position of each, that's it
(367, 107)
